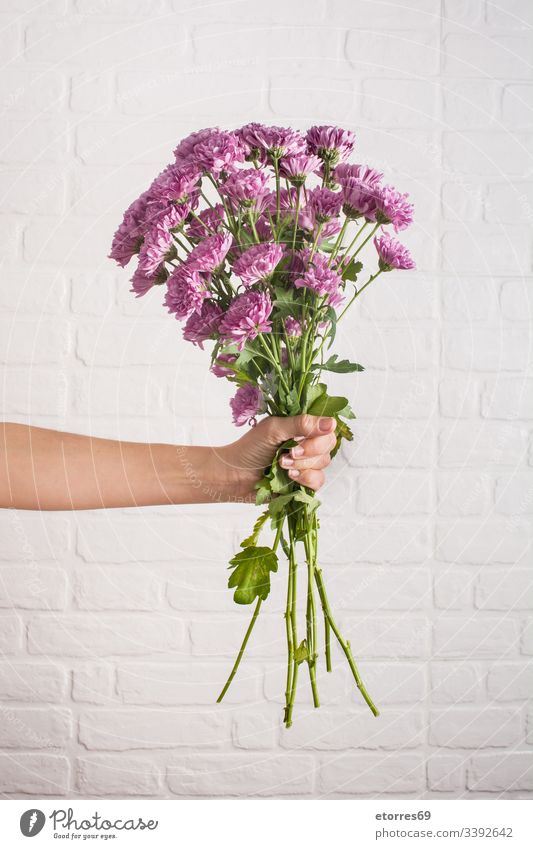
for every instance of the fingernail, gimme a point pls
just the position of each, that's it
(298, 438)
(325, 424)
(297, 451)
(286, 460)
(294, 473)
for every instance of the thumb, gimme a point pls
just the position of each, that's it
(304, 425)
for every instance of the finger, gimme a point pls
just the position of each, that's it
(313, 478)
(282, 428)
(320, 461)
(314, 446)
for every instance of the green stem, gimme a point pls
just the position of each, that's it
(344, 644)
(292, 615)
(296, 215)
(311, 610)
(241, 651)
(274, 362)
(363, 243)
(357, 293)
(338, 241)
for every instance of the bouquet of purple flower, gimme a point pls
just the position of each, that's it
(254, 236)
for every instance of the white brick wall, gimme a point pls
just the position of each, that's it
(116, 629)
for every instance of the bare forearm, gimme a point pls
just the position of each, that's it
(44, 469)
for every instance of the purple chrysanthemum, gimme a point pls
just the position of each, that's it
(209, 253)
(297, 168)
(185, 149)
(359, 188)
(247, 316)
(218, 151)
(276, 141)
(320, 278)
(220, 370)
(392, 207)
(258, 262)
(392, 254)
(203, 325)
(129, 235)
(292, 326)
(211, 221)
(186, 292)
(246, 404)
(247, 187)
(332, 144)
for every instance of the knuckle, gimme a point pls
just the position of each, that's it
(306, 423)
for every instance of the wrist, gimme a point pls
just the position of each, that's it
(202, 474)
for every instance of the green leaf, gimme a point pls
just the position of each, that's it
(338, 366)
(251, 573)
(252, 539)
(301, 653)
(328, 405)
(277, 504)
(352, 270)
(310, 501)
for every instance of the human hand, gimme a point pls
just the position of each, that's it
(245, 459)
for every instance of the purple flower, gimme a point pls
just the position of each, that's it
(203, 325)
(392, 207)
(209, 253)
(186, 292)
(158, 245)
(223, 371)
(218, 151)
(292, 326)
(246, 317)
(258, 262)
(332, 144)
(185, 149)
(296, 168)
(212, 218)
(129, 235)
(247, 404)
(141, 283)
(247, 187)
(359, 188)
(177, 184)
(392, 254)
(321, 279)
(324, 204)
(276, 141)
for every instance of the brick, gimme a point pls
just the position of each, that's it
(486, 349)
(11, 630)
(221, 637)
(463, 13)
(388, 492)
(35, 391)
(384, 16)
(397, 444)
(516, 109)
(69, 241)
(459, 397)
(510, 681)
(121, 8)
(486, 249)
(25, 90)
(400, 729)
(416, 153)
(10, 37)
(385, 52)
(526, 645)
(83, 636)
(214, 42)
(514, 493)
(32, 682)
(335, 688)
(400, 297)
(470, 104)
(27, 537)
(395, 683)
(478, 636)
(93, 683)
(483, 444)
(23, 296)
(516, 301)
(363, 774)
(411, 348)
(474, 728)
(93, 293)
(445, 773)
(374, 542)
(237, 96)
(90, 92)
(48, 140)
(104, 142)
(495, 154)
(105, 392)
(476, 542)
(169, 538)
(514, 15)
(34, 775)
(295, 97)
(241, 775)
(257, 729)
(129, 587)
(99, 44)
(469, 300)
(30, 342)
(33, 191)
(378, 588)
(94, 189)
(467, 55)
(453, 589)
(504, 590)
(401, 637)
(195, 683)
(34, 587)
(195, 588)
(500, 772)
(117, 776)
(380, 395)
(510, 398)
(120, 730)
(404, 103)
(462, 201)
(34, 728)
(452, 683)
(510, 202)
(126, 344)
(464, 493)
